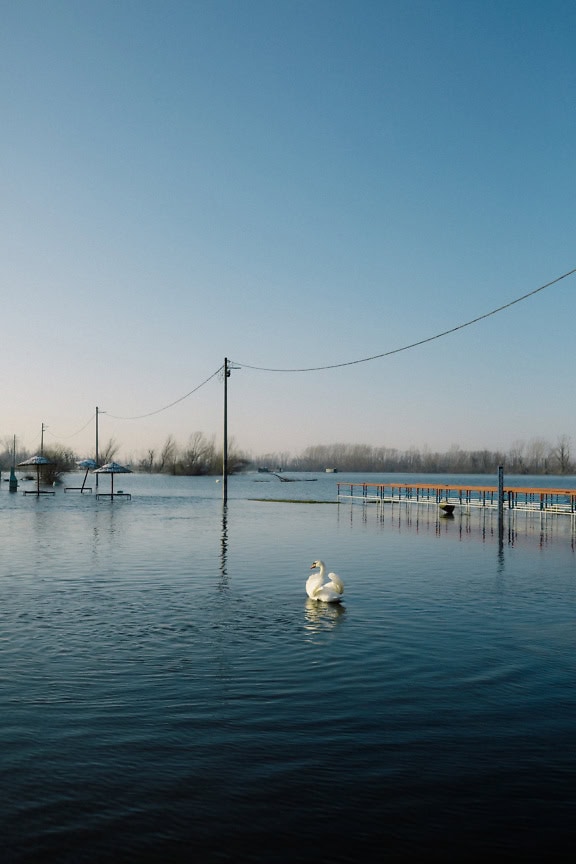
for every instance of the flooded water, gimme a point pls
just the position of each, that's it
(169, 693)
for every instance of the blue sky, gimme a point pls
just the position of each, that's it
(288, 184)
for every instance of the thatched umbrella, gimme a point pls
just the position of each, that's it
(37, 461)
(89, 465)
(113, 468)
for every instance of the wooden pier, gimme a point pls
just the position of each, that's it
(461, 495)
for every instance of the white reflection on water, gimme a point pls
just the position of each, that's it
(322, 616)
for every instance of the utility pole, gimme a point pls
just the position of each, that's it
(225, 445)
(96, 455)
(227, 367)
(42, 440)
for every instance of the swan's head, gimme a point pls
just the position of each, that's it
(316, 564)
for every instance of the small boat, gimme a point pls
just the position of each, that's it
(446, 507)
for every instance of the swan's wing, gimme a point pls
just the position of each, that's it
(336, 582)
(327, 594)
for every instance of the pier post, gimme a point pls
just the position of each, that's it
(501, 503)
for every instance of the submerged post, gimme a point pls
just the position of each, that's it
(97, 460)
(13, 483)
(501, 502)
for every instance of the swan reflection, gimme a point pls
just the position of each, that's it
(322, 616)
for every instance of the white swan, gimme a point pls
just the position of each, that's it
(317, 589)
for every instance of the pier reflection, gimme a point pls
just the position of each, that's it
(518, 528)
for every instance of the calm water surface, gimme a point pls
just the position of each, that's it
(168, 692)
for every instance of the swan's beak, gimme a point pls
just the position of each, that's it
(313, 566)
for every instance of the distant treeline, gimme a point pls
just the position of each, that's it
(200, 455)
(533, 457)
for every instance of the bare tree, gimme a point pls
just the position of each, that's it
(167, 456)
(146, 463)
(561, 455)
(537, 455)
(108, 452)
(515, 463)
(198, 456)
(61, 460)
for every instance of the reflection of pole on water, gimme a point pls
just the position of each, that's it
(501, 506)
(224, 541)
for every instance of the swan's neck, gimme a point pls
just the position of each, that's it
(322, 567)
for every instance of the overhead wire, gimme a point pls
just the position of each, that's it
(239, 364)
(171, 405)
(412, 344)
(73, 435)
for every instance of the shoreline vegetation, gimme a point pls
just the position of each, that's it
(200, 456)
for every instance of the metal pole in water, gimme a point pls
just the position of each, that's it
(13, 483)
(501, 502)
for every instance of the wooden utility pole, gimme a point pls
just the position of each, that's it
(225, 445)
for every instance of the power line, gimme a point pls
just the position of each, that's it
(171, 405)
(414, 344)
(73, 435)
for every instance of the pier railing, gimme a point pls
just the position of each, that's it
(461, 495)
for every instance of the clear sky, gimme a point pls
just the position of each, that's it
(289, 184)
